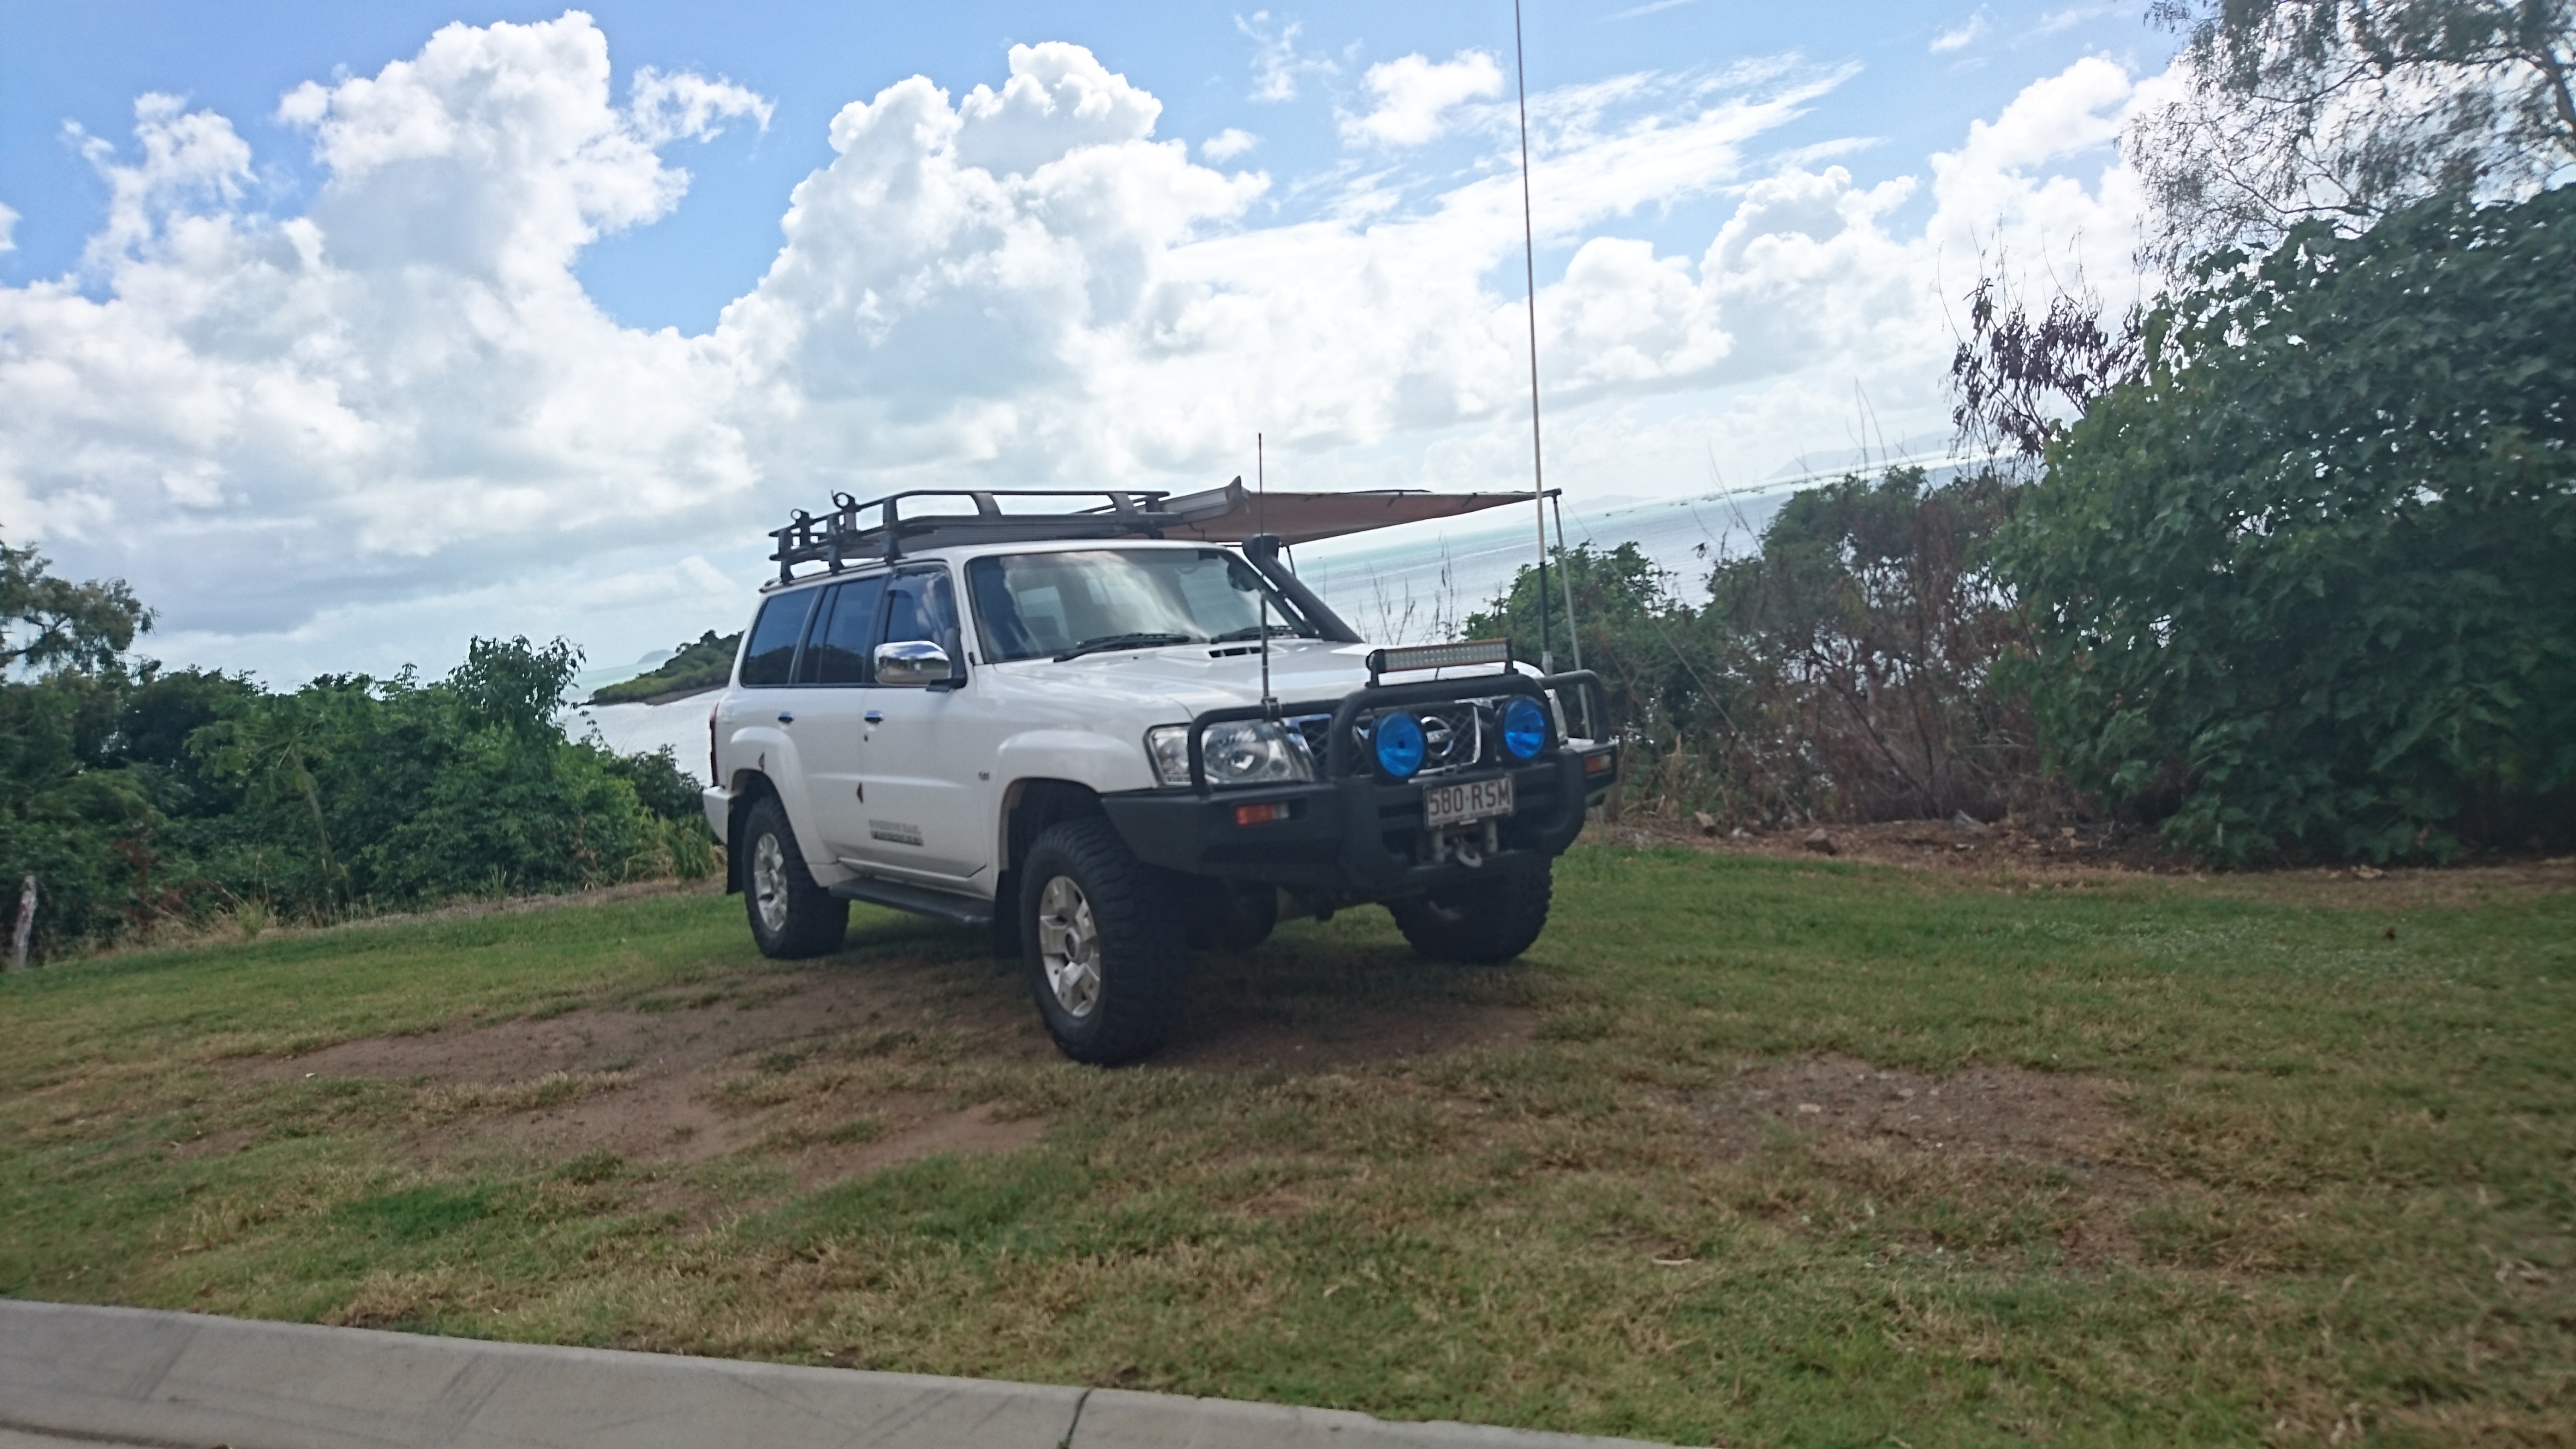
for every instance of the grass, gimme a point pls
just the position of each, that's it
(2342, 1203)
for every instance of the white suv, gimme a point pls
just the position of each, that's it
(1109, 745)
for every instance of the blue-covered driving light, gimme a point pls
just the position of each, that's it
(1398, 744)
(1524, 728)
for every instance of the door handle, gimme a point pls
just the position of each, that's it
(874, 717)
(786, 717)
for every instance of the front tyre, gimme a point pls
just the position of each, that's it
(1479, 922)
(791, 917)
(1102, 941)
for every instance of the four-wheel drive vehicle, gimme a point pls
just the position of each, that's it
(1109, 744)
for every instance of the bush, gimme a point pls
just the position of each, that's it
(1844, 670)
(2309, 587)
(141, 796)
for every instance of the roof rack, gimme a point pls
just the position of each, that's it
(883, 528)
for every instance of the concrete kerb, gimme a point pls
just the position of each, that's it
(138, 1376)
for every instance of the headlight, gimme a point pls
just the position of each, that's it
(1235, 752)
(1255, 752)
(1524, 728)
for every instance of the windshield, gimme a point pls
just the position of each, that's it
(1030, 605)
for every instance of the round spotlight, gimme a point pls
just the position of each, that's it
(1399, 746)
(1524, 728)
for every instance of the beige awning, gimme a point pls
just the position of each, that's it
(1233, 513)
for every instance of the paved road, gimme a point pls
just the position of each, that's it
(131, 1376)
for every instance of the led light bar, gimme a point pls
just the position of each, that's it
(1440, 656)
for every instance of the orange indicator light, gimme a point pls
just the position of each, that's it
(1260, 814)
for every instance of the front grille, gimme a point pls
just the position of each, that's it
(1459, 734)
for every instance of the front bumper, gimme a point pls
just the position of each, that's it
(1357, 838)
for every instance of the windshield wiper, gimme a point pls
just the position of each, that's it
(1122, 641)
(1253, 631)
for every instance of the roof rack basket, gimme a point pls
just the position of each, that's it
(884, 528)
(848, 535)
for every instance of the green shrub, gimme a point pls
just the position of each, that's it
(2309, 587)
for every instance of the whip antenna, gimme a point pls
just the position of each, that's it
(1529, 275)
(1261, 521)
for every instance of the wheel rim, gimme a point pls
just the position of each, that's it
(1069, 946)
(769, 882)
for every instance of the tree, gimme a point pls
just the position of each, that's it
(52, 622)
(2348, 110)
(2308, 587)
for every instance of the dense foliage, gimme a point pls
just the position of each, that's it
(703, 663)
(140, 797)
(1843, 670)
(2309, 586)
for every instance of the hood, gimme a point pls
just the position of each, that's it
(1188, 679)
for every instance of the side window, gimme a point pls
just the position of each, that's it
(769, 656)
(843, 628)
(918, 607)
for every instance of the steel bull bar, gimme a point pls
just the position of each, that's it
(1351, 835)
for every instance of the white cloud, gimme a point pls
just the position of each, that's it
(1276, 63)
(1960, 36)
(667, 108)
(399, 412)
(1227, 144)
(8, 229)
(1411, 97)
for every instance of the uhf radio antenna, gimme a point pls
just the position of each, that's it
(1261, 521)
(1529, 275)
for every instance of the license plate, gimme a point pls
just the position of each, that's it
(1466, 801)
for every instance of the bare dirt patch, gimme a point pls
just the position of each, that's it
(2044, 1117)
(781, 1067)
(650, 1080)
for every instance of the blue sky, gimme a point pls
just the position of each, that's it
(335, 402)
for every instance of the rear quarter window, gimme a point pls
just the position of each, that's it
(769, 655)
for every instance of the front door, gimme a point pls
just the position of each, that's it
(926, 814)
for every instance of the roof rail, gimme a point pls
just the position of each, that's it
(882, 528)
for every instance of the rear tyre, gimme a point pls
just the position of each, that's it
(1479, 922)
(1230, 915)
(791, 917)
(1102, 941)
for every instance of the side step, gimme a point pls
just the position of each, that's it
(939, 905)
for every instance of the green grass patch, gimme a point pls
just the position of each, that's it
(2332, 1193)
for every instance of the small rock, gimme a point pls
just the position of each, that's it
(2366, 873)
(1807, 1107)
(1821, 843)
(1966, 821)
(2066, 832)
(1741, 833)
(1706, 822)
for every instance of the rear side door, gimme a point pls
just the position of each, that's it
(831, 704)
(757, 720)
(927, 793)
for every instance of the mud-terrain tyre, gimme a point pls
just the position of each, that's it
(1102, 941)
(791, 917)
(1479, 922)
(1227, 915)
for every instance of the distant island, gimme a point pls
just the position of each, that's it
(698, 667)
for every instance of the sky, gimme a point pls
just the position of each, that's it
(349, 333)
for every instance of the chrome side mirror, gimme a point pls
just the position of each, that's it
(913, 662)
